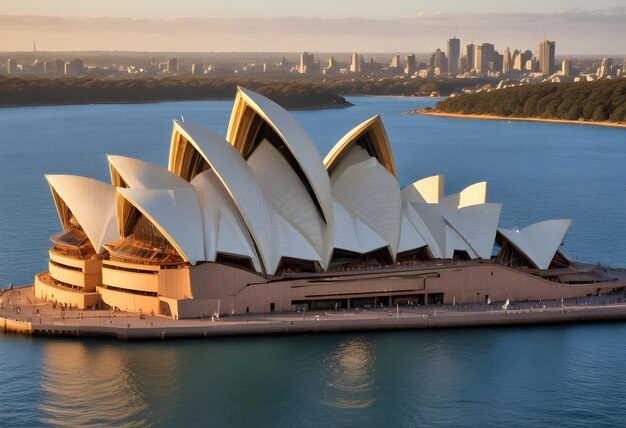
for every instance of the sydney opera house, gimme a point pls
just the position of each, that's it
(259, 222)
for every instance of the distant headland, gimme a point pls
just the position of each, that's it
(43, 91)
(601, 102)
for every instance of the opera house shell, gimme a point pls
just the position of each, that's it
(259, 222)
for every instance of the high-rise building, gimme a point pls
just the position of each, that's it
(332, 67)
(497, 62)
(74, 67)
(356, 63)
(196, 69)
(409, 65)
(507, 61)
(58, 66)
(306, 61)
(483, 58)
(606, 67)
(566, 67)
(11, 66)
(545, 56)
(395, 62)
(439, 62)
(454, 52)
(172, 65)
(468, 56)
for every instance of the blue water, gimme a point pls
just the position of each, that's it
(565, 376)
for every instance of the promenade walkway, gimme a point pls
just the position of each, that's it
(21, 312)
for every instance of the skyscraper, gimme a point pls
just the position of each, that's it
(409, 65)
(606, 67)
(545, 56)
(566, 67)
(395, 62)
(356, 63)
(172, 65)
(306, 61)
(11, 66)
(468, 54)
(483, 59)
(507, 61)
(439, 62)
(454, 52)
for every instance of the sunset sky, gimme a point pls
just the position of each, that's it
(318, 26)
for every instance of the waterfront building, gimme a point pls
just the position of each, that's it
(545, 56)
(306, 61)
(454, 53)
(566, 67)
(410, 66)
(11, 66)
(259, 222)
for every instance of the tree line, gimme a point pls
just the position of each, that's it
(297, 92)
(598, 101)
(44, 91)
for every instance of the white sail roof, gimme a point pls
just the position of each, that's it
(139, 174)
(377, 140)
(368, 191)
(176, 214)
(290, 199)
(224, 230)
(295, 139)
(539, 242)
(428, 190)
(93, 204)
(239, 181)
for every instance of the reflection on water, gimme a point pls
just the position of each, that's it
(87, 386)
(349, 371)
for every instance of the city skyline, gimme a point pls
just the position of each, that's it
(580, 32)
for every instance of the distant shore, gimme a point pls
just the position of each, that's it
(517, 119)
(314, 107)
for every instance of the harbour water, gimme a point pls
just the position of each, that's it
(570, 376)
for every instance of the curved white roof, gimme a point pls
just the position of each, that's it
(295, 138)
(352, 234)
(368, 191)
(93, 204)
(382, 150)
(539, 242)
(139, 174)
(473, 195)
(176, 213)
(477, 225)
(290, 199)
(238, 180)
(410, 238)
(427, 190)
(224, 230)
(288, 242)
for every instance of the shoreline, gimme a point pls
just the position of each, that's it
(36, 318)
(516, 119)
(323, 107)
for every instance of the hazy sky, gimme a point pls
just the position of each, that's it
(579, 27)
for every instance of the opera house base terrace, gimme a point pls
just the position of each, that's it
(259, 223)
